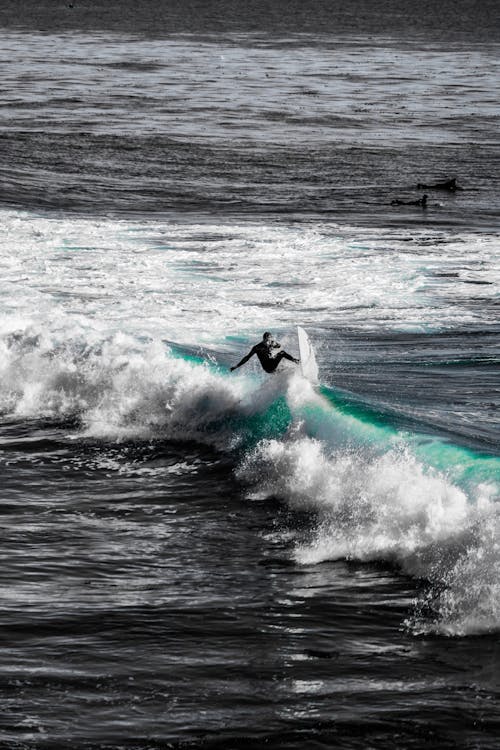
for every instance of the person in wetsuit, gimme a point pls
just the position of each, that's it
(450, 185)
(419, 202)
(265, 352)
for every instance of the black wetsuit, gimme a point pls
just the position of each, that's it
(267, 359)
(450, 185)
(420, 202)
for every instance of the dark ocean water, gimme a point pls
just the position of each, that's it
(198, 559)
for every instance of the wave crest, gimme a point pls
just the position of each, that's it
(392, 508)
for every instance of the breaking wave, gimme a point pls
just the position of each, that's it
(375, 492)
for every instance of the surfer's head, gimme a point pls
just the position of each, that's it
(269, 342)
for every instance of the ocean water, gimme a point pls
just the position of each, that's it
(194, 558)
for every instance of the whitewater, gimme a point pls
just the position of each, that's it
(128, 329)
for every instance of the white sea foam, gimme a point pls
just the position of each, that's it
(85, 306)
(373, 498)
(200, 284)
(380, 501)
(392, 507)
(118, 388)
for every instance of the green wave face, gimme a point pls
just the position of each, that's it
(272, 422)
(333, 419)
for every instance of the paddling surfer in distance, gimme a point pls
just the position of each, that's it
(422, 202)
(450, 185)
(265, 352)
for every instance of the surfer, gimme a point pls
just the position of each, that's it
(450, 185)
(265, 351)
(422, 202)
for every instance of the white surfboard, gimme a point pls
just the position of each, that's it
(308, 363)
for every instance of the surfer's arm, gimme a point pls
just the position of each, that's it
(245, 359)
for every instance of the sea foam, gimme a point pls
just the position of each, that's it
(373, 496)
(387, 503)
(93, 353)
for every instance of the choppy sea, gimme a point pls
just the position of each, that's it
(194, 558)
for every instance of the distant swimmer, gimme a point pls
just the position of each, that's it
(422, 202)
(450, 185)
(268, 357)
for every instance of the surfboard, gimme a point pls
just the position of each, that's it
(308, 363)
